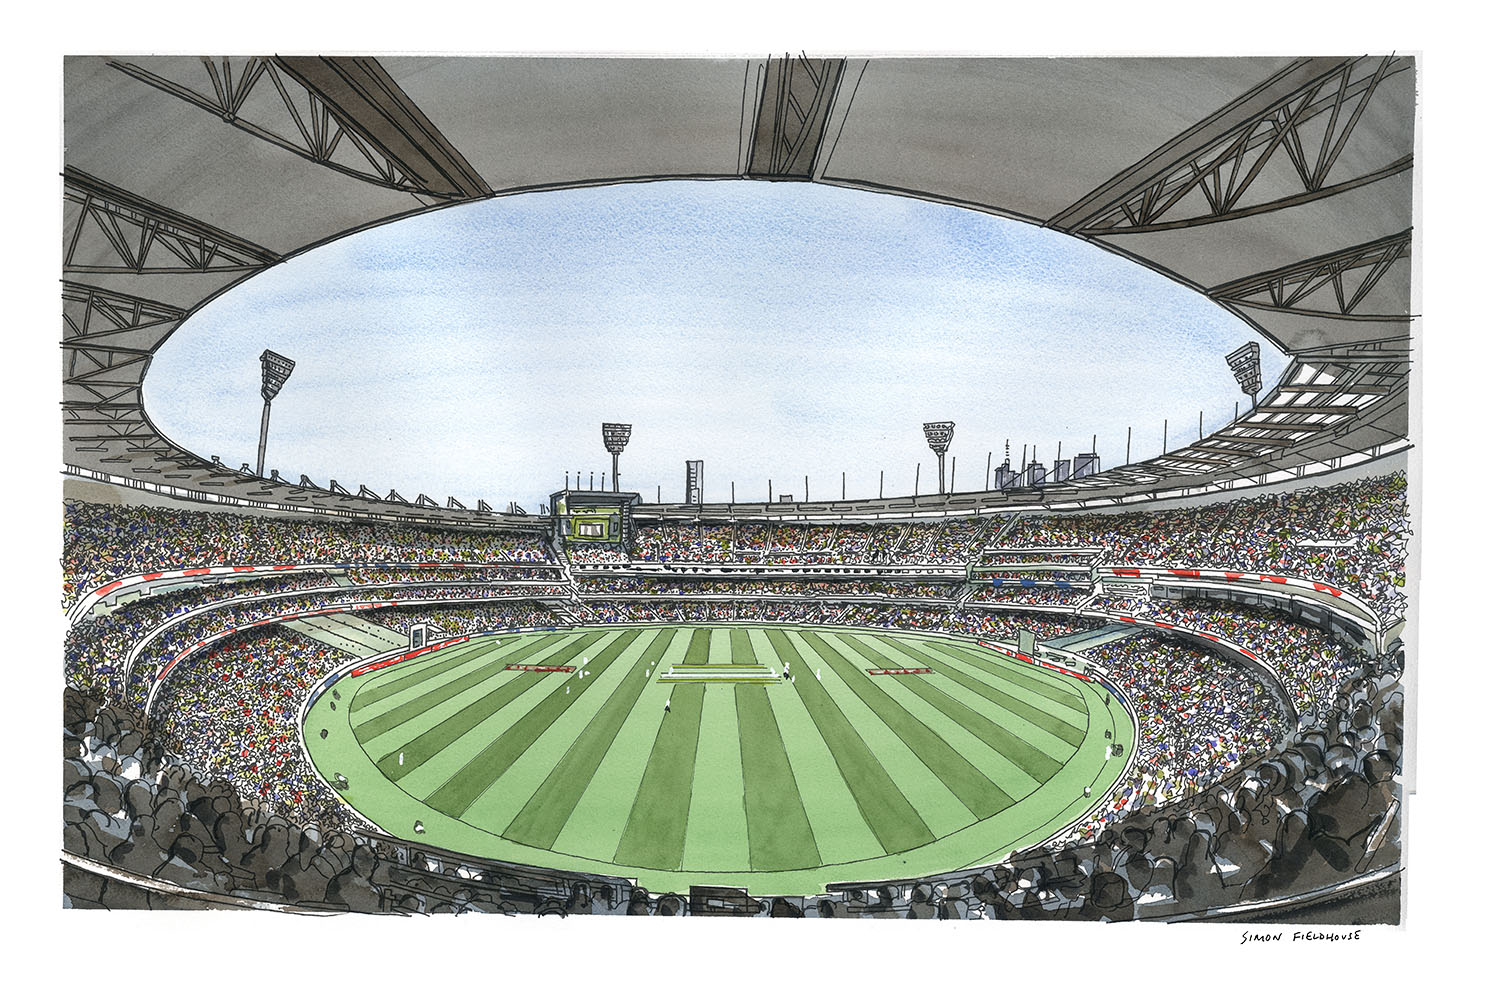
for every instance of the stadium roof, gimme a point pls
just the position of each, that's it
(1279, 187)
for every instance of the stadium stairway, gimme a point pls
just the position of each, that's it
(1086, 639)
(999, 537)
(565, 615)
(350, 634)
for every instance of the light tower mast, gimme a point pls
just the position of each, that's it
(1245, 362)
(616, 437)
(939, 436)
(274, 370)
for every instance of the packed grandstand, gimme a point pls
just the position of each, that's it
(1222, 624)
(1268, 726)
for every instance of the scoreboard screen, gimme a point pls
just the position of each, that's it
(601, 524)
(594, 517)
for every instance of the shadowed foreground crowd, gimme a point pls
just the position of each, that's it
(1318, 812)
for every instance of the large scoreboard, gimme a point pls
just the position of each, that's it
(595, 517)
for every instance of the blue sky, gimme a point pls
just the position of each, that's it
(774, 330)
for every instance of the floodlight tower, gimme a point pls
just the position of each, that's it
(1245, 362)
(616, 436)
(939, 435)
(274, 370)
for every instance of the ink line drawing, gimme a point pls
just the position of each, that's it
(1105, 682)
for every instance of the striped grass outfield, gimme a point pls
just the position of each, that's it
(679, 754)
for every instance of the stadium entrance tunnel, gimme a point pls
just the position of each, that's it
(776, 758)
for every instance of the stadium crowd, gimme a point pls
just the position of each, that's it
(386, 576)
(232, 712)
(989, 624)
(169, 640)
(102, 542)
(765, 587)
(1199, 716)
(1302, 816)
(688, 542)
(216, 794)
(1311, 662)
(585, 554)
(992, 624)
(1070, 576)
(1352, 536)
(1291, 819)
(619, 612)
(94, 651)
(1079, 559)
(674, 611)
(946, 543)
(1029, 595)
(456, 620)
(131, 804)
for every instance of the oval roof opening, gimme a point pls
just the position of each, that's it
(774, 330)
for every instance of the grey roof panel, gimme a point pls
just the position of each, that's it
(541, 121)
(1026, 137)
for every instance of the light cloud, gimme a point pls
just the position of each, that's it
(775, 330)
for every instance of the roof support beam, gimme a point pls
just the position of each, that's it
(1284, 288)
(1187, 460)
(345, 114)
(1333, 388)
(1215, 453)
(154, 239)
(364, 96)
(1339, 410)
(1279, 426)
(1277, 91)
(791, 117)
(1247, 440)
